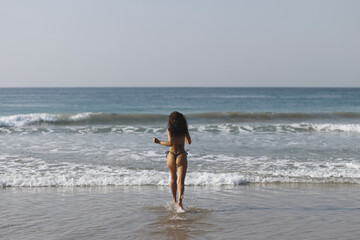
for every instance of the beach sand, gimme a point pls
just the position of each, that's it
(254, 211)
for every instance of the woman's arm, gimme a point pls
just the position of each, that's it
(169, 143)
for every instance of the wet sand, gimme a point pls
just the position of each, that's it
(254, 211)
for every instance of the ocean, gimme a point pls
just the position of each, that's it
(261, 159)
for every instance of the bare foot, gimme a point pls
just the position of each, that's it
(180, 208)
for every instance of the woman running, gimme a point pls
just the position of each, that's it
(178, 133)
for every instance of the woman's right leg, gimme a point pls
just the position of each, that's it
(173, 180)
(181, 163)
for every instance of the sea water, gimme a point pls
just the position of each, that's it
(103, 136)
(75, 143)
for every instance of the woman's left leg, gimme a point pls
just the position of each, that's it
(172, 168)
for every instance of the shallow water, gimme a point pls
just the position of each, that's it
(254, 211)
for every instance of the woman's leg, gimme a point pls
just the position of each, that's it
(172, 167)
(181, 163)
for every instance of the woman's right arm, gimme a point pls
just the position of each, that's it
(169, 143)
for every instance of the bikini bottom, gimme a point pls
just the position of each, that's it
(175, 154)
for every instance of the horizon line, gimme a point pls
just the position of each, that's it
(179, 87)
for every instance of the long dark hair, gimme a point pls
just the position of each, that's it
(177, 124)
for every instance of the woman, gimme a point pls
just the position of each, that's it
(178, 133)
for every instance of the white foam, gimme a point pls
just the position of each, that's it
(34, 172)
(336, 127)
(215, 179)
(81, 116)
(293, 127)
(19, 124)
(25, 119)
(306, 172)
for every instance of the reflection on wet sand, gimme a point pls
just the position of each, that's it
(168, 224)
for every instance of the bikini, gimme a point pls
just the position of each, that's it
(175, 154)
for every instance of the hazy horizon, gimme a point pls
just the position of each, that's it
(179, 44)
(65, 87)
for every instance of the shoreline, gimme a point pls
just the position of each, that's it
(195, 187)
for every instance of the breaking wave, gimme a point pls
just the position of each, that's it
(89, 118)
(76, 119)
(225, 128)
(32, 172)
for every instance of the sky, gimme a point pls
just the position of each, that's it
(188, 43)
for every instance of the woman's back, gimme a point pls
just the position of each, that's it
(178, 143)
